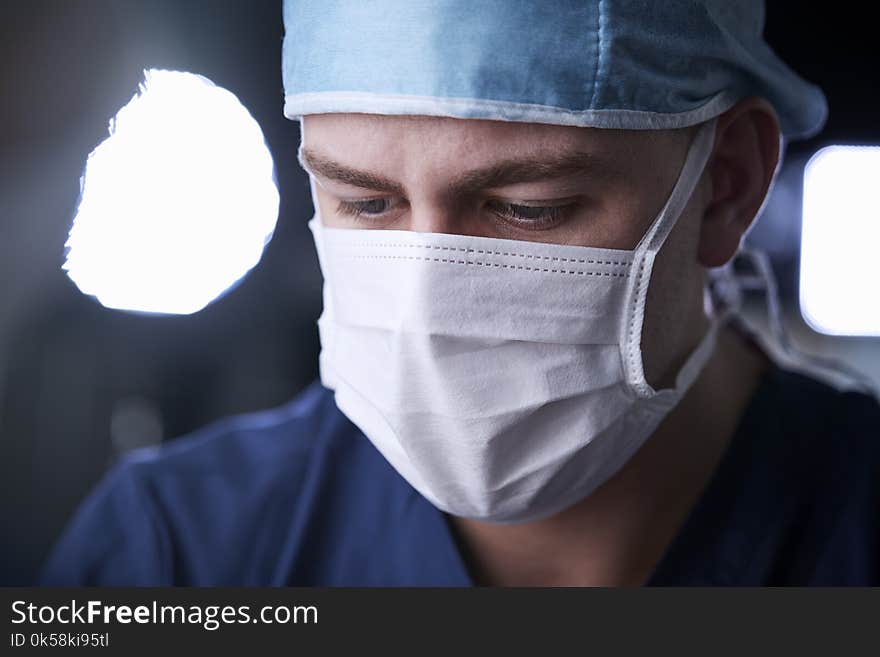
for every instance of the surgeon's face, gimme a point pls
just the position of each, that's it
(523, 181)
(526, 181)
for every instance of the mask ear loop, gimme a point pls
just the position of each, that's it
(763, 280)
(646, 251)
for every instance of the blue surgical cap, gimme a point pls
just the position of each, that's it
(634, 64)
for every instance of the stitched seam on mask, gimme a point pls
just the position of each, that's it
(632, 324)
(582, 261)
(491, 264)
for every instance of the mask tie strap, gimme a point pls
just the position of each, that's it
(646, 251)
(824, 368)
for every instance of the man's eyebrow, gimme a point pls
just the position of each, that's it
(501, 174)
(315, 163)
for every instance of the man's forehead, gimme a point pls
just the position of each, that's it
(502, 172)
(350, 147)
(351, 134)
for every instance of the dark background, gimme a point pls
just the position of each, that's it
(80, 384)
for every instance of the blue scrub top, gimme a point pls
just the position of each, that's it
(298, 496)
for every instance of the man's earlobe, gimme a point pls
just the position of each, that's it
(740, 171)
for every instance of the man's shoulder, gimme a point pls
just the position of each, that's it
(824, 436)
(796, 499)
(251, 445)
(838, 422)
(825, 471)
(224, 503)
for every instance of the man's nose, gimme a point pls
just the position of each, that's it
(449, 218)
(425, 218)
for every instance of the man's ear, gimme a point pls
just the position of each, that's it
(740, 169)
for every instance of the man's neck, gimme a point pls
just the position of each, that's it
(617, 535)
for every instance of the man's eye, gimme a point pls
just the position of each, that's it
(530, 215)
(368, 207)
(527, 216)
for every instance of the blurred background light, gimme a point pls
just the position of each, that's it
(840, 241)
(177, 203)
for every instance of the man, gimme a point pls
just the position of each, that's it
(532, 371)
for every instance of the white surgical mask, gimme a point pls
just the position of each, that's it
(503, 379)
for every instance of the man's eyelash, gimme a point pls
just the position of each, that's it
(359, 208)
(531, 213)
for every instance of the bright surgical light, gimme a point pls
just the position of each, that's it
(840, 241)
(177, 203)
